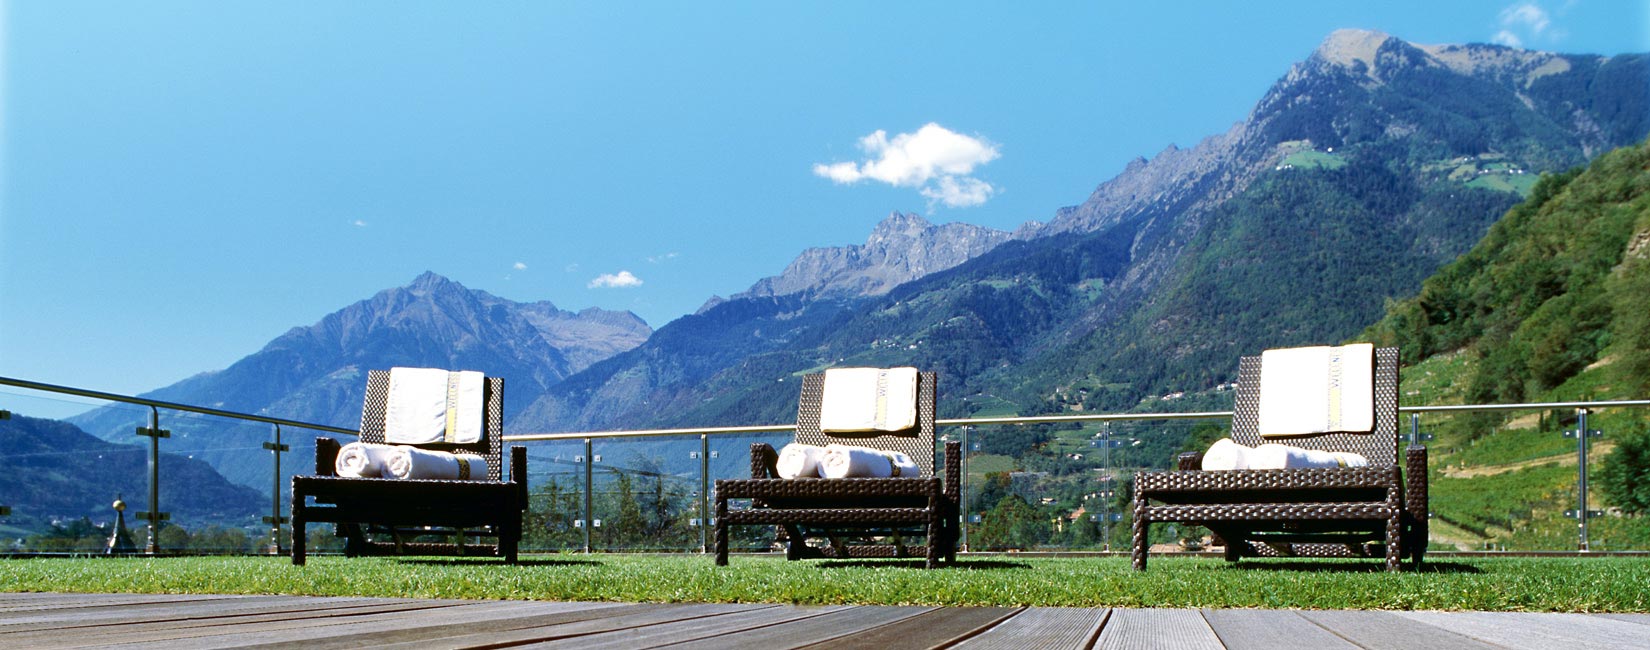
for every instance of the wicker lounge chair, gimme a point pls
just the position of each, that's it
(394, 511)
(1341, 512)
(833, 509)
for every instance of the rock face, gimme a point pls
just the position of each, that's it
(902, 248)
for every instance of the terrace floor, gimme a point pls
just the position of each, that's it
(179, 622)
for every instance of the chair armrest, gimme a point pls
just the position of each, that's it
(764, 461)
(326, 456)
(518, 472)
(1415, 481)
(953, 472)
(1189, 461)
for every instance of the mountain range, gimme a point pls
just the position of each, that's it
(1362, 171)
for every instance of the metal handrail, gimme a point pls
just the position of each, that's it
(1057, 419)
(780, 428)
(173, 406)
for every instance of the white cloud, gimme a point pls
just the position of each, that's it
(519, 266)
(358, 223)
(615, 280)
(660, 259)
(938, 161)
(1524, 22)
(958, 191)
(1526, 15)
(572, 267)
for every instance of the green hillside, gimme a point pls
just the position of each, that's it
(1553, 305)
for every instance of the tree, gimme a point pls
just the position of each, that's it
(1625, 477)
(1013, 523)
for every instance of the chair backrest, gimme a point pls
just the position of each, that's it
(491, 446)
(916, 442)
(1380, 446)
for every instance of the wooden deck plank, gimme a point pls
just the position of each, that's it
(236, 631)
(147, 610)
(1383, 630)
(184, 617)
(1539, 630)
(659, 615)
(1641, 619)
(127, 626)
(61, 608)
(172, 629)
(844, 622)
(497, 619)
(1041, 627)
(423, 625)
(712, 627)
(926, 630)
(1270, 629)
(33, 601)
(1147, 629)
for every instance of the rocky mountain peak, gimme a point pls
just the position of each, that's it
(901, 248)
(1351, 47)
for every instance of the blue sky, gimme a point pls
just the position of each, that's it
(181, 182)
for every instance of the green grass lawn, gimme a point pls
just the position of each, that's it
(1597, 584)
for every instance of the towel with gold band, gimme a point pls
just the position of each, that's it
(413, 463)
(1305, 391)
(428, 405)
(868, 399)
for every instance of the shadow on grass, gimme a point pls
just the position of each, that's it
(967, 565)
(524, 562)
(1349, 567)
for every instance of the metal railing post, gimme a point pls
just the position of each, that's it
(154, 515)
(704, 492)
(1582, 513)
(275, 519)
(589, 463)
(963, 517)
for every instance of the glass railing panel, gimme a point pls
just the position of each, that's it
(556, 502)
(299, 459)
(731, 459)
(1511, 481)
(1063, 486)
(217, 483)
(644, 493)
(66, 462)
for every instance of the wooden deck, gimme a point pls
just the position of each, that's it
(312, 623)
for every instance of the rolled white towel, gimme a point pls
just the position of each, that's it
(797, 460)
(415, 463)
(1228, 455)
(1276, 456)
(848, 461)
(362, 459)
(1225, 455)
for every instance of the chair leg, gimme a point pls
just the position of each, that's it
(1394, 540)
(1141, 526)
(794, 542)
(936, 538)
(509, 538)
(299, 538)
(721, 531)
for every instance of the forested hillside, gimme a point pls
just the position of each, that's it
(1553, 305)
